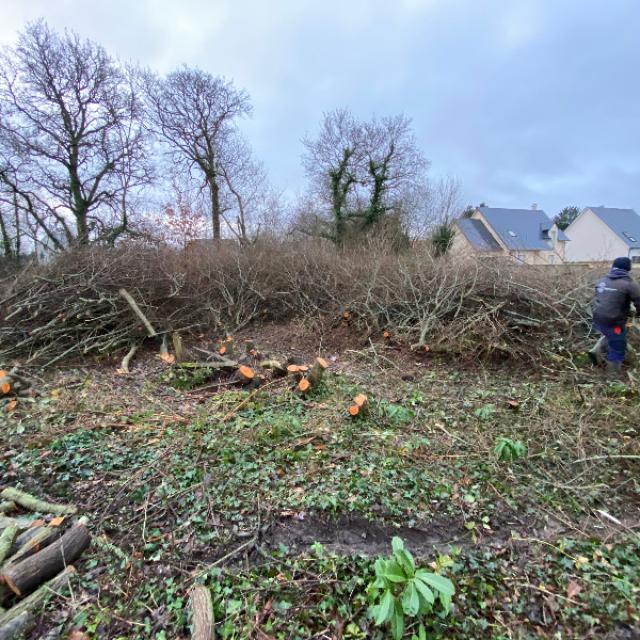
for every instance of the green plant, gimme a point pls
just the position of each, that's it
(485, 412)
(507, 449)
(399, 590)
(442, 238)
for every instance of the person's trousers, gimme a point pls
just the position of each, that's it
(614, 340)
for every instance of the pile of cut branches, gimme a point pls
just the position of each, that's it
(104, 301)
(36, 556)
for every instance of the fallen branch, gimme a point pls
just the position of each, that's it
(6, 540)
(133, 304)
(126, 361)
(32, 503)
(202, 616)
(608, 457)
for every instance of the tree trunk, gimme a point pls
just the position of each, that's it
(215, 207)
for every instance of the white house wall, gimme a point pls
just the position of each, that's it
(591, 240)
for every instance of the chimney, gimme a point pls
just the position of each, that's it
(534, 206)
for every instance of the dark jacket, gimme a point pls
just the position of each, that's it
(614, 293)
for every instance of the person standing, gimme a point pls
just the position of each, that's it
(613, 297)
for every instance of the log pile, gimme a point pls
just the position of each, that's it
(37, 554)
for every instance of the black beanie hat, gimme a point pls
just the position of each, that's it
(622, 263)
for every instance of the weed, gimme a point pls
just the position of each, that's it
(400, 589)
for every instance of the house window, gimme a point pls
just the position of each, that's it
(552, 259)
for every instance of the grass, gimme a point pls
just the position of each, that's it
(182, 487)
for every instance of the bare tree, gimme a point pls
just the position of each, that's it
(360, 171)
(194, 112)
(249, 204)
(72, 145)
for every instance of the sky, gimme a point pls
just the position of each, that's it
(521, 101)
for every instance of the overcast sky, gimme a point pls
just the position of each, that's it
(521, 100)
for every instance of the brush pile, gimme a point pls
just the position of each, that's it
(36, 556)
(102, 301)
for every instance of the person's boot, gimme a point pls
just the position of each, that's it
(614, 371)
(598, 354)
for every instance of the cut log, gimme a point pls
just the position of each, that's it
(41, 538)
(177, 345)
(7, 506)
(318, 368)
(304, 385)
(246, 374)
(202, 613)
(32, 503)
(23, 538)
(24, 576)
(226, 347)
(6, 540)
(360, 400)
(5, 385)
(273, 365)
(359, 406)
(20, 523)
(17, 627)
(59, 584)
(293, 369)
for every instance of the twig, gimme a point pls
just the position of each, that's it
(607, 457)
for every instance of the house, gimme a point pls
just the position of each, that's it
(601, 234)
(526, 235)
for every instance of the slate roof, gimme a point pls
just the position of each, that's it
(478, 235)
(521, 229)
(625, 223)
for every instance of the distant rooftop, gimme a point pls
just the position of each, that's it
(625, 223)
(521, 229)
(478, 235)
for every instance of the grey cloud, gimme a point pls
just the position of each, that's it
(526, 100)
